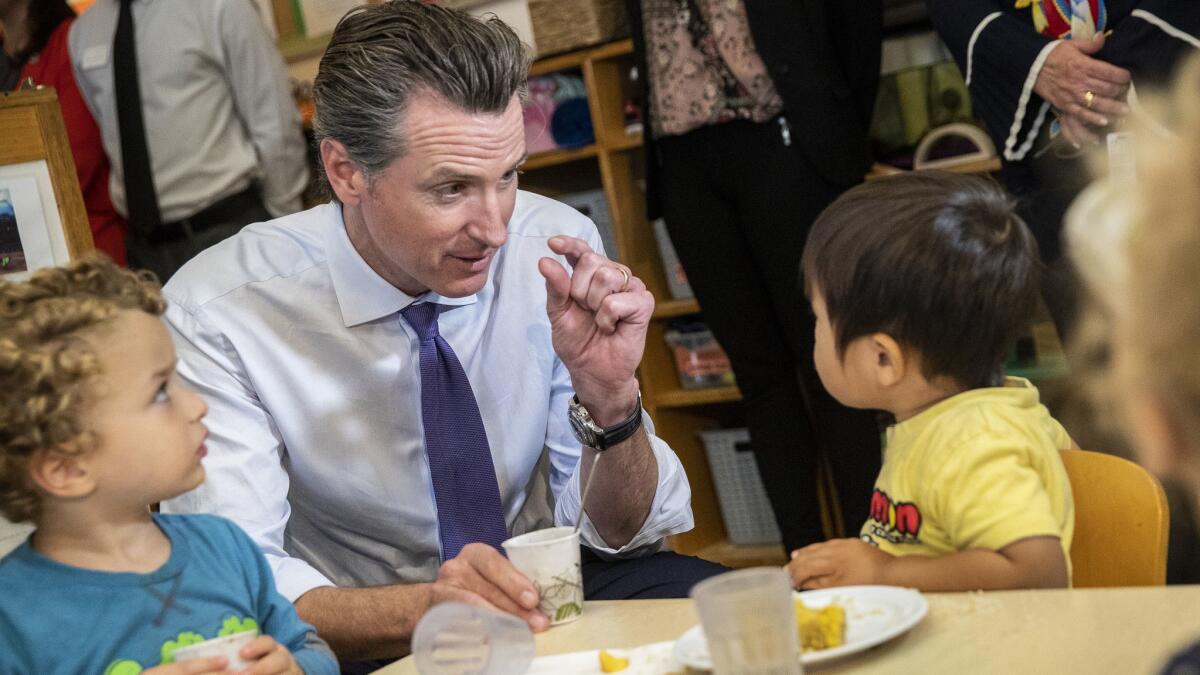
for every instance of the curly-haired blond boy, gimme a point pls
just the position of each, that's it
(95, 427)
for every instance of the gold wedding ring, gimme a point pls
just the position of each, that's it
(1089, 98)
(624, 273)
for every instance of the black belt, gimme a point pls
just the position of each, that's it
(227, 210)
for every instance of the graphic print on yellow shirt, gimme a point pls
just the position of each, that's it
(981, 469)
(898, 523)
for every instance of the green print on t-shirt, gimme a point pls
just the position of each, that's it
(232, 625)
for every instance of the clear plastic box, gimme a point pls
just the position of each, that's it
(744, 505)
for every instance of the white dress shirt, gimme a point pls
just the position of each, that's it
(215, 101)
(317, 448)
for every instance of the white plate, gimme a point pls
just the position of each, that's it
(874, 615)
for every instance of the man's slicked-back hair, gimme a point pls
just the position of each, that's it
(939, 261)
(381, 55)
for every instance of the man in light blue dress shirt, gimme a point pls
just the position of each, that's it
(292, 330)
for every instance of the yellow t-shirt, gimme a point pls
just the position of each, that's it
(979, 470)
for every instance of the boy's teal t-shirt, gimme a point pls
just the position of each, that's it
(55, 618)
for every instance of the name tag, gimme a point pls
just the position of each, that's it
(94, 57)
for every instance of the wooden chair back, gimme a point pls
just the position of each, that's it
(1121, 522)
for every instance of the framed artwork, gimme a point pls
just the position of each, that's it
(42, 219)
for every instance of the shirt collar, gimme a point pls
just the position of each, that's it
(362, 294)
(1015, 391)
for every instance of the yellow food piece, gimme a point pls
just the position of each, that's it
(612, 664)
(820, 628)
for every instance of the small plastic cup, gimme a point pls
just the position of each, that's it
(550, 558)
(749, 621)
(227, 646)
(457, 639)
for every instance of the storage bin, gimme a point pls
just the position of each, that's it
(745, 508)
(699, 359)
(562, 25)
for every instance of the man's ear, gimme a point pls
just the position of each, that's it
(62, 475)
(891, 362)
(346, 178)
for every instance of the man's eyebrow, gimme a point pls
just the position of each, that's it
(448, 174)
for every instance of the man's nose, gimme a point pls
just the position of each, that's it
(490, 227)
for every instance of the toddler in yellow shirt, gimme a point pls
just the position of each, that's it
(920, 284)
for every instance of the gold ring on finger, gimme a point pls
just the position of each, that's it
(625, 273)
(1089, 97)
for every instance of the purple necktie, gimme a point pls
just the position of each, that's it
(460, 463)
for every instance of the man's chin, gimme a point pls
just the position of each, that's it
(462, 287)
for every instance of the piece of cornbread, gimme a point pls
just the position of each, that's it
(821, 628)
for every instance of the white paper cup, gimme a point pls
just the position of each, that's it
(227, 646)
(550, 558)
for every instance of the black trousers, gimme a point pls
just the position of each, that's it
(164, 258)
(738, 204)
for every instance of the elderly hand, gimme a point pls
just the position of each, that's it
(598, 318)
(838, 562)
(1067, 77)
(481, 576)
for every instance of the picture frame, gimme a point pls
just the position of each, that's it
(43, 222)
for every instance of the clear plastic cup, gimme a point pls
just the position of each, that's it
(457, 639)
(550, 558)
(749, 621)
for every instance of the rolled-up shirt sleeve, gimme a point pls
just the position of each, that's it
(246, 481)
(670, 511)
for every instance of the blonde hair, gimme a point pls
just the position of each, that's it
(1163, 290)
(45, 366)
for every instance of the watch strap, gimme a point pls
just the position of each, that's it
(620, 431)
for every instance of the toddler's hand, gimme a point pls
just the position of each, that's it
(839, 562)
(269, 657)
(212, 664)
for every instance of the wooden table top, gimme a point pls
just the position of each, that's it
(1118, 630)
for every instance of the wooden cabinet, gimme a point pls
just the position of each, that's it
(616, 163)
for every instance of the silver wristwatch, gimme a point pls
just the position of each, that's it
(595, 436)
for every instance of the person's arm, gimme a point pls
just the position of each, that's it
(1000, 56)
(598, 323)
(275, 615)
(1035, 562)
(1154, 39)
(987, 494)
(669, 502)
(246, 481)
(264, 105)
(376, 623)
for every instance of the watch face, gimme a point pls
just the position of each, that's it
(582, 432)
